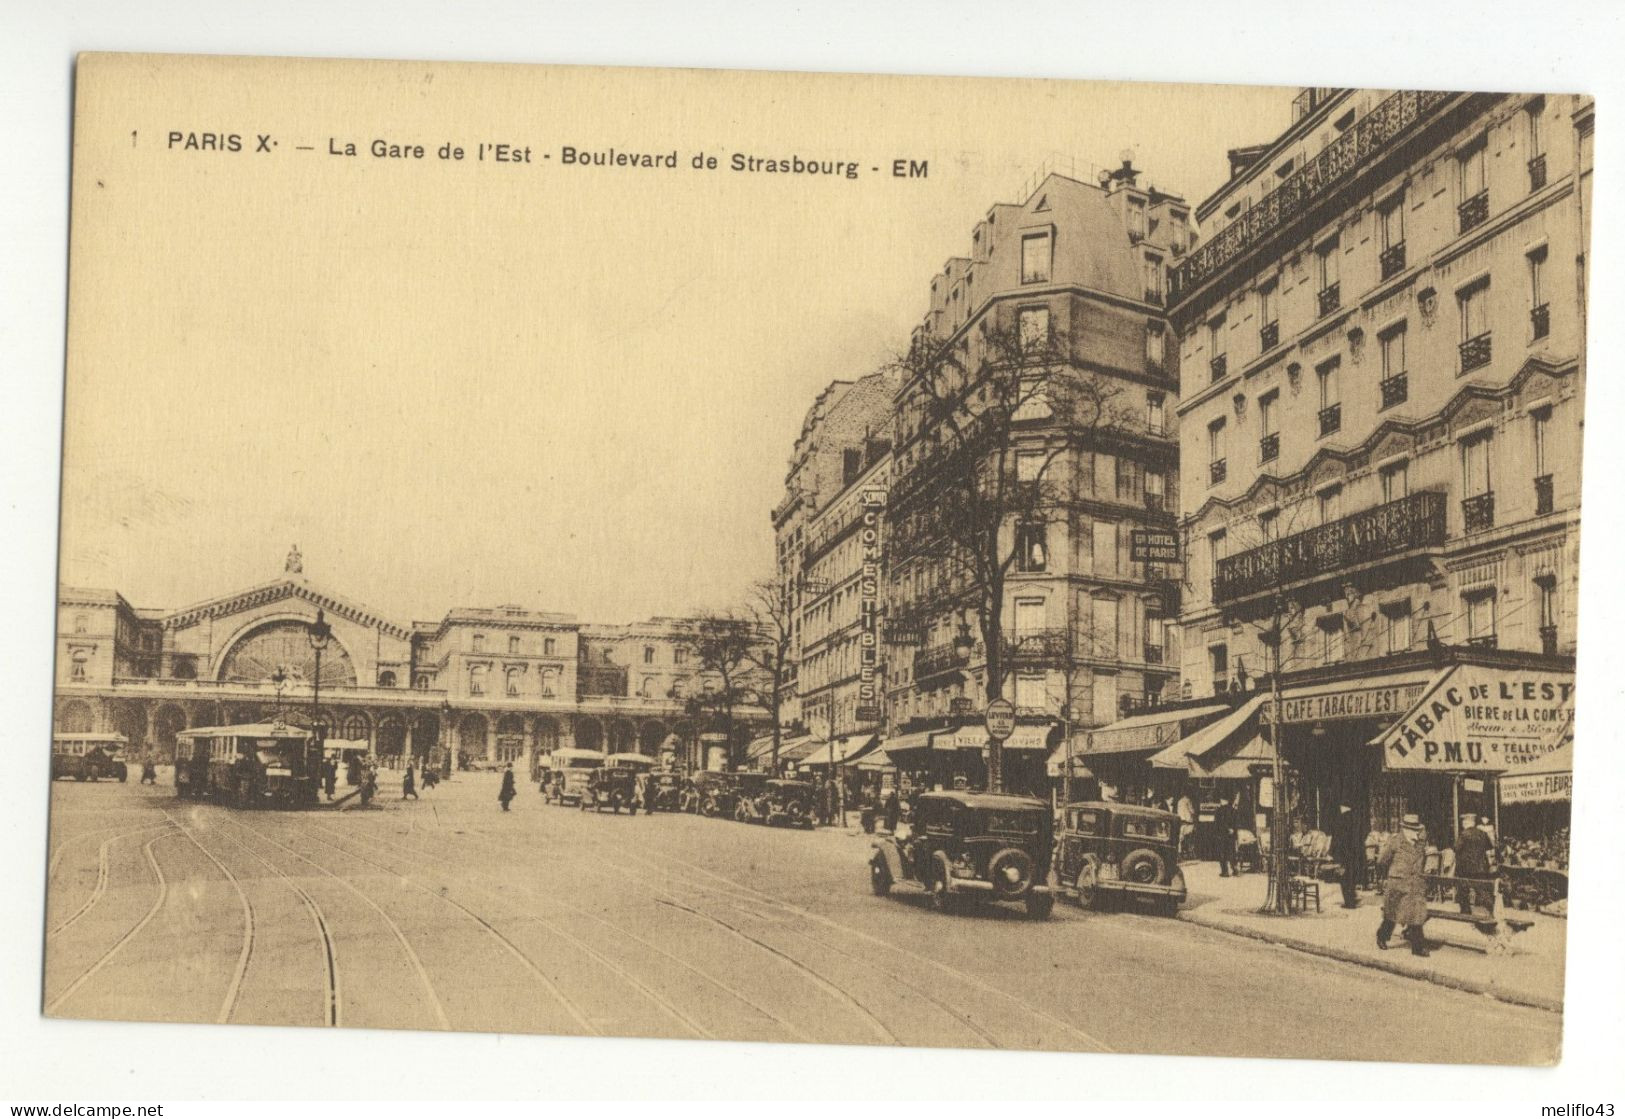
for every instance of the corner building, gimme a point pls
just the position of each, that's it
(1382, 365)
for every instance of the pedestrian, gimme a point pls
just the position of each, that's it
(408, 785)
(892, 810)
(508, 793)
(1348, 851)
(1226, 819)
(1475, 859)
(149, 772)
(1186, 811)
(330, 777)
(1404, 892)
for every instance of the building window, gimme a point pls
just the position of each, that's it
(1103, 627)
(1395, 381)
(421, 683)
(1218, 659)
(1154, 343)
(1155, 416)
(1267, 522)
(1103, 541)
(1480, 611)
(80, 667)
(1396, 627)
(1153, 280)
(513, 681)
(647, 688)
(1218, 363)
(1540, 317)
(1478, 498)
(1155, 492)
(1330, 297)
(1215, 452)
(1269, 438)
(1035, 258)
(1130, 480)
(1331, 504)
(1136, 219)
(81, 624)
(1546, 593)
(648, 654)
(1537, 146)
(1032, 327)
(606, 657)
(1332, 638)
(1030, 692)
(386, 679)
(1031, 551)
(479, 642)
(513, 643)
(1472, 188)
(550, 682)
(1396, 481)
(1156, 638)
(1331, 400)
(476, 680)
(1269, 330)
(1391, 223)
(1215, 550)
(1540, 421)
(1473, 305)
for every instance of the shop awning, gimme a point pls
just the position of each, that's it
(1189, 752)
(761, 749)
(910, 743)
(876, 760)
(1254, 751)
(1150, 731)
(848, 749)
(1481, 719)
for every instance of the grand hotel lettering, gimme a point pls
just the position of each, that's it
(874, 500)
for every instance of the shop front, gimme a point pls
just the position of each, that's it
(956, 757)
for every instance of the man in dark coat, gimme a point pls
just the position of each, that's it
(893, 810)
(1475, 858)
(1226, 819)
(1404, 891)
(330, 777)
(508, 792)
(1348, 850)
(409, 786)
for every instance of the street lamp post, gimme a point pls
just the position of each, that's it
(279, 679)
(445, 729)
(320, 634)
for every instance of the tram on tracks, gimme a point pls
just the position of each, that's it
(249, 765)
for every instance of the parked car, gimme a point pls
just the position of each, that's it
(714, 793)
(665, 791)
(612, 787)
(1120, 851)
(975, 846)
(779, 802)
(748, 789)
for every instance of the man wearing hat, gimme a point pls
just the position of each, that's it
(1475, 858)
(1404, 892)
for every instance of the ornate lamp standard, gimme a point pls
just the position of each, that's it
(445, 727)
(320, 634)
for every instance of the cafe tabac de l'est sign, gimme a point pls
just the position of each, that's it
(1477, 719)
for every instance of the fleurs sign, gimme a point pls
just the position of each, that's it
(1482, 720)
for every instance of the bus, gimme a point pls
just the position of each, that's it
(89, 757)
(569, 771)
(248, 765)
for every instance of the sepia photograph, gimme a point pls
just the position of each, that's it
(565, 568)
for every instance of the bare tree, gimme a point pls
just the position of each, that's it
(991, 428)
(771, 606)
(725, 645)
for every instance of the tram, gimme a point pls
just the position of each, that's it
(89, 757)
(248, 765)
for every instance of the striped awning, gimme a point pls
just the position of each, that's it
(847, 749)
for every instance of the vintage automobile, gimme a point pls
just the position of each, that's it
(714, 793)
(970, 846)
(665, 789)
(89, 757)
(748, 789)
(612, 787)
(569, 772)
(1125, 851)
(780, 802)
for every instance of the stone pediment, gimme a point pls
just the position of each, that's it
(265, 594)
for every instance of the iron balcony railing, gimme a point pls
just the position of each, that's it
(1385, 531)
(1331, 419)
(1540, 318)
(1548, 640)
(1216, 471)
(1473, 212)
(1037, 646)
(1392, 260)
(1331, 298)
(1217, 366)
(1478, 513)
(1537, 172)
(1269, 447)
(1270, 335)
(934, 660)
(1395, 390)
(1543, 495)
(1475, 352)
(1338, 161)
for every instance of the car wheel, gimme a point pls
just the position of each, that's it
(879, 877)
(1088, 889)
(942, 898)
(1144, 866)
(1040, 906)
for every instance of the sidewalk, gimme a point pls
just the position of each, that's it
(1529, 973)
